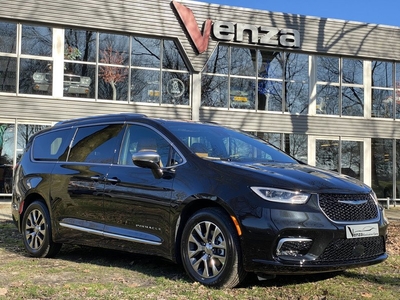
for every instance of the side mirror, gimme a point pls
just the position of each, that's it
(150, 160)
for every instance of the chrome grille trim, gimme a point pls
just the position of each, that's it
(349, 208)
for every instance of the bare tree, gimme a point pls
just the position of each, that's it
(110, 74)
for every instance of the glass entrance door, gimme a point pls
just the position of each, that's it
(340, 155)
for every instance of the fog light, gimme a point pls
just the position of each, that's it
(293, 247)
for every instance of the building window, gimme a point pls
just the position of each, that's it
(80, 54)
(340, 89)
(35, 73)
(293, 144)
(382, 167)
(10, 133)
(397, 90)
(343, 156)
(124, 68)
(382, 89)
(245, 78)
(113, 67)
(34, 58)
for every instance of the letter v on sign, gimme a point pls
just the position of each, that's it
(199, 40)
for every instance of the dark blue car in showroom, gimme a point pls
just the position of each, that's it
(219, 201)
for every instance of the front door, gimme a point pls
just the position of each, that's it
(137, 205)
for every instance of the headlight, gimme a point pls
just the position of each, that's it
(282, 196)
(39, 76)
(86, 80)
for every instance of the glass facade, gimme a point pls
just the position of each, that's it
(142, 70)
(245, 78)
(13, 139)
(96, 65)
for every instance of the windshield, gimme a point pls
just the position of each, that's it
(220, 143)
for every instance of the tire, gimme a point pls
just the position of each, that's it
(210, 249)
(36, 231)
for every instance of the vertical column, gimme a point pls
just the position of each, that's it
(58, 62)
(196, 96)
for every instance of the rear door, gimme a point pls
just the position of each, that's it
(78, 184)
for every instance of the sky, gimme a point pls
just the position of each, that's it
(382, 12)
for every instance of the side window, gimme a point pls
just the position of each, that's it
(141, 138)
(52, 146)
(96, 144)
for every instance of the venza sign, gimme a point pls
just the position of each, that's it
(228, 31)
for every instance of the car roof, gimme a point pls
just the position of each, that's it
(121, 117)
(101, 118)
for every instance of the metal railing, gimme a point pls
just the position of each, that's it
(387, 202)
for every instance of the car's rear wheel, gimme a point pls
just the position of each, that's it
(210, 249)
(36, 231)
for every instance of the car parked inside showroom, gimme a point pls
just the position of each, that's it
(221, 202)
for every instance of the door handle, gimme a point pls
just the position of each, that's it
(97, 178)
(113, 180)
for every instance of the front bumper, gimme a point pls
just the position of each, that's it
(305, 242)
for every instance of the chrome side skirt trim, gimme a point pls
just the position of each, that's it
(110, 235)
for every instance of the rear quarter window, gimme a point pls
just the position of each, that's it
(96, 144)
(52, 146)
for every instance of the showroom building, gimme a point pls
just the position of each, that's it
(325, 91)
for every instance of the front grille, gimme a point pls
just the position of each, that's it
(346, 250)
(348, 208)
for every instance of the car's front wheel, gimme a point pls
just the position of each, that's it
(36, 231)
(210, 249)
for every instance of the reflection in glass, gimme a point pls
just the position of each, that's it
(382, 74)
(296, 67)
(79, 80)
(79, 45)
(145, 86)
(36, 40)
(327, 100)
(352, 71)
(297, 145)
(113, 79)
(397, 90)
(6, 157)
(352, 158)
(242, 62)
(242, 93)
(352, 101)
(25, 131)
(214, 91)
(382, 167)
(273, 138)
(293, 144)
(113, 83)
(297, 97)
(172, 58)
(146, 52)
(327, 154)
(382, 103)
(114, 49)
(328, 69)
(35, 77)
(218, 62)
(8, 37)
(271, 96)
(8, 74)
(270, 64)
(397, 191)
(175, 88)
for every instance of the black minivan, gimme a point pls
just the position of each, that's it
(221, 202)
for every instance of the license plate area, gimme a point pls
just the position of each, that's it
(362, 231)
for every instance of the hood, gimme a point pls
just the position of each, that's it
(295, 176)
